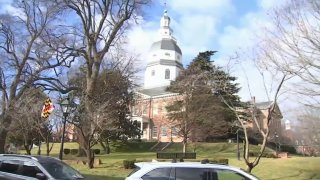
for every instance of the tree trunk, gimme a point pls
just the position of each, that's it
(106, 147)
(249, 167)
(39, 148)
(184, 149)
(103, 146)
(28, 149)
(48, 148)
(3, 136)
(90, 158)
(5, 123)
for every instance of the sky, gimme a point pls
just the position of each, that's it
(226, 26)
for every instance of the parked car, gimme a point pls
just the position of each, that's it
(24, 167)
(187, 171)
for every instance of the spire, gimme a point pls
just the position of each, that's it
(165, 30)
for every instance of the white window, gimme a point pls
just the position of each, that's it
(174, 131)
(154, 131)
(167, 74)
(163, 131)
(153, 72)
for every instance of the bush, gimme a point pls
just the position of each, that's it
(74, 151)
(96, 151)
(270, 155)
(289, 149)
(66, 151)
(129, 164)
(219, 161)
(266, 155)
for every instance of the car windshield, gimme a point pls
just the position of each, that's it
(134, 170)
(59, 170)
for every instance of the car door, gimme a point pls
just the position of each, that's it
(226, 174)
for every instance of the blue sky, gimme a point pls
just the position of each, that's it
(227, 26)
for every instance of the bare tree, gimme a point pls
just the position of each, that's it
(101, 25)
(293, 46)
(307, 129)
(25, 58)
(27, 118)
(248, 113)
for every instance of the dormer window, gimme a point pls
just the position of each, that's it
(167, 74)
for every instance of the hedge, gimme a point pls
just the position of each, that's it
(266, 155)
(216, 161)
(129, 163)
(66, 151)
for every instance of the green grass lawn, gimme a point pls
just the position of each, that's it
(294, 167)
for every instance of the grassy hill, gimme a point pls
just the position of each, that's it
(112, 164)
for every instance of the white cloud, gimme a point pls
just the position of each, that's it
(213, 7)
(196, 26)
(269, 4)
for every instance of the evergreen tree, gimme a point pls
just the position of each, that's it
(201, 113)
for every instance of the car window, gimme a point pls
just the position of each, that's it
(29, 169)
(60, 170)
(10, 166)
(134, 170)
(184, 173)
(158, 174)
(229, 175)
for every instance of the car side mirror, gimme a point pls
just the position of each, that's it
(41, 176)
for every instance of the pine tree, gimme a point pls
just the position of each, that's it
(200, 113)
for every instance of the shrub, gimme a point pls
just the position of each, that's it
(129, 164)
(266, 155)
(289, 149)
(66, 151)
(219, 161)
(96, 151)
(74, 151)
(270, 155)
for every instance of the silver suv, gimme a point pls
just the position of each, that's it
(35, 167)
(187, 171)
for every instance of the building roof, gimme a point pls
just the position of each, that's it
(157, 91)
(165, 62)
(166, 44)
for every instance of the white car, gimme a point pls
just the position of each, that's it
(187, 171)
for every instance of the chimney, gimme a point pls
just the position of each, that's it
(253, 99)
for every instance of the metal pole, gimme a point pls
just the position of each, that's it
(238, 150)
(62, 138)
